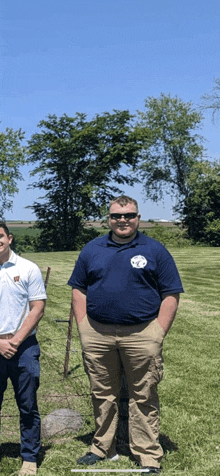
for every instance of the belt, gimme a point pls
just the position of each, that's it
(6, 336)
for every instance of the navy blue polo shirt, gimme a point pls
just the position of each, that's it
(124, 283)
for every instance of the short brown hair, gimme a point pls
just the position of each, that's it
(123, 200)
(5, 228)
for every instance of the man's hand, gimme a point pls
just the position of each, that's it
(7, 348)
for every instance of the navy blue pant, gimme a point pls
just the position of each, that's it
(24, 370)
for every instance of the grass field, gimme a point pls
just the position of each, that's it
(189, 392)
(30, 231)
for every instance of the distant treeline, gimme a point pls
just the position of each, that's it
(30, 240)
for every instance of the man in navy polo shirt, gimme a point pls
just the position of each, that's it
(22, 301)
(125, 296)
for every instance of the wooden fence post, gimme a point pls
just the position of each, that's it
(47, 277)
(68, 343)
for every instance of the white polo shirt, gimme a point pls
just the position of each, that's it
(20, 282)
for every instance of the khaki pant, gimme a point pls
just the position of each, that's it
(106, 348)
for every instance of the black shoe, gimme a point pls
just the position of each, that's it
(89, 458)
(150, 470)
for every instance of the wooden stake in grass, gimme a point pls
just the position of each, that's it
(47, 277)
(68, 343)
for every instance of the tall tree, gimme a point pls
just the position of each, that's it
(12, 156)
(171, 146)
(211, 101)
(202, 205)
(78, 164)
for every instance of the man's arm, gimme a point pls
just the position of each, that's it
(168, 310)
(79, 304)
(8, 348)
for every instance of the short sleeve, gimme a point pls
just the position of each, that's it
(36, 288)
(78, 278)
(167, 274)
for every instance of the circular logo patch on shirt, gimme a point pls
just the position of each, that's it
(138, 261)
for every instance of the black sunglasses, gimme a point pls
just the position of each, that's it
(127, 216)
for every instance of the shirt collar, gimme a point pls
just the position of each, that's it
(12, 260)
(138, 240)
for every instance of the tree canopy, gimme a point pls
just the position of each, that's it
(171, 145)
(12, 156)
(202, 205)
(80, 164)
(211, 101)
(79, 167)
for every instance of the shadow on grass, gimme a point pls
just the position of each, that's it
(166, 443)
(12, 450)
(70, 372)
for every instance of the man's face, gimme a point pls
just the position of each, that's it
(123, 229)
(5, 242)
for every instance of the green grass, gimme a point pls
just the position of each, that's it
(189, 392)
(23, 230)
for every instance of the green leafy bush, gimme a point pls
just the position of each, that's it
(86, 235)
(174, 236)
(25, 243)
(212, 230)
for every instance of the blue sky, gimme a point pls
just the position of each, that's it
(93, 56)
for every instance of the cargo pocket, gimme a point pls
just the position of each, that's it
(84, 363)
(156, 370)
(159, 368)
